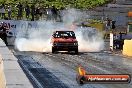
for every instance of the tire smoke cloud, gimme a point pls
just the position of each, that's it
(38, 37)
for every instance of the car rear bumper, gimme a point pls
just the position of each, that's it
(65, 48)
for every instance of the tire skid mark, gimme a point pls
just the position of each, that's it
(44, 78)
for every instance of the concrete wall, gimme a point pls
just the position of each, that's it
(11, 74)
(2, 76)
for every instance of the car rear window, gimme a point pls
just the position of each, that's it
(64, 34)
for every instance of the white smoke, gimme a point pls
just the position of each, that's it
(35, 38)
(90, 40)
(38, 37)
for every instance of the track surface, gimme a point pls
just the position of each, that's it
(59, 70)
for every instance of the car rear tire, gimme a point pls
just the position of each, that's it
(76, 51)
(53, 50)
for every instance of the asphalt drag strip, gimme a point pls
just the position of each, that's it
(63, 68)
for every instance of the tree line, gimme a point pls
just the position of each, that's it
(79, 4)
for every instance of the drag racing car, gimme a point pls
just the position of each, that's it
(64, 41)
